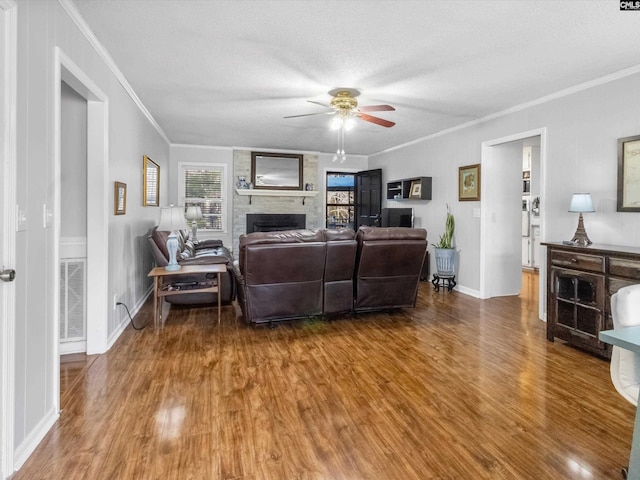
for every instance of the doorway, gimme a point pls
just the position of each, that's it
(501, 213)
(96, 206)
(73, 221)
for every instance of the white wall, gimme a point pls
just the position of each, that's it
(43, 25)
(204, 154)
(73, 164)
(582, 130)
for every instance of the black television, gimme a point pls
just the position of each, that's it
(397, 217)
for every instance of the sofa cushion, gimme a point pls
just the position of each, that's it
(281, 236)
(391, 233)
(341, 234)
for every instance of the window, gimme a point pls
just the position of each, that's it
(203, 184)
(340, 200)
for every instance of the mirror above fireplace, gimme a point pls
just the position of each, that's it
(276, 171)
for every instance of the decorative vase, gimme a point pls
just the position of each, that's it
(242, 182)
(445, 261)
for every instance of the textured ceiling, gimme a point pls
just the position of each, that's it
(226, 72)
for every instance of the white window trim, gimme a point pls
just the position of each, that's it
(225, 199)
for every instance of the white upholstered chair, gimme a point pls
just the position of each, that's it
(625, 365)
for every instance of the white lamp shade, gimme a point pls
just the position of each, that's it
(194, 213)
(581, 202)
(171, 219)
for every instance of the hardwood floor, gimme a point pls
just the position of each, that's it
(457, 388)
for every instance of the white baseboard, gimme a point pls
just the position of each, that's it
(467, 291)
(27, 447)
(67, 348)
(124, 318)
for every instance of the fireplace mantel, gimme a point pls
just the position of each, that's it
(276, 193)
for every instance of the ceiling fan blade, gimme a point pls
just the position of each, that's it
(376, 120)
(376, 108)
(320, 103)
(310, 114)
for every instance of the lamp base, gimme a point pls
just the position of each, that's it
(580, 237)
(172, 246)
(194, 229)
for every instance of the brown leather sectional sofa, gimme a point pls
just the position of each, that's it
(293, 274)
(204, 252)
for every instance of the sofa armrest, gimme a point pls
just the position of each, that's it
(237, 273)
(204, 260)
(208, 243)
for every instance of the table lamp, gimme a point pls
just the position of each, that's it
(172, 219)
(194, 213)
(581, 202)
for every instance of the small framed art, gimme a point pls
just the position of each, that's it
(416, 189)
(119, 198)
(469, 183)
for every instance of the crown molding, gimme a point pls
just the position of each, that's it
(85, 29)
(523, 106)
(205, 147)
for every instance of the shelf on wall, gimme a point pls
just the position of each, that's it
(250, 192)
(401, 189)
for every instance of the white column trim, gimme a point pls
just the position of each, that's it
(97, 203)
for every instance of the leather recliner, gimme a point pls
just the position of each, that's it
(280, 275)
(388, 267)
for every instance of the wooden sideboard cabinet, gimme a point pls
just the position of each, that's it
(580, 283)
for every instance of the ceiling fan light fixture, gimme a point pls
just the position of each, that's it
(349, 123)
(336, 123)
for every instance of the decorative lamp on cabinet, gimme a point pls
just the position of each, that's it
(581, 203)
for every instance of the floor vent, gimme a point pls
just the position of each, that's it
(73, 294)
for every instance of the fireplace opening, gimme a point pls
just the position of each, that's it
(270, 222)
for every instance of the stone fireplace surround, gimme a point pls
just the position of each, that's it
(311, 208)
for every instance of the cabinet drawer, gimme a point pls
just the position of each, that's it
(621, 267)
(580, 261)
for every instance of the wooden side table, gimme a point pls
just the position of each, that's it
(160, 290)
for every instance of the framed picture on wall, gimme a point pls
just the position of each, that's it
(150, 183)
(629, 174)
(469, 183)
(119, 198)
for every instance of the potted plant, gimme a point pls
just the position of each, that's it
(444, 251)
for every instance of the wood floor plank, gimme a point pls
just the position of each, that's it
(455, 388)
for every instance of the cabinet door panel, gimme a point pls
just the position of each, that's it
(622, 267)
(616, 284)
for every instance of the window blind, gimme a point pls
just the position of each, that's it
(203, 185)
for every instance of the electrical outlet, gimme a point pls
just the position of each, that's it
(115, 302)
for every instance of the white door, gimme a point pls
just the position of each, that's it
(502, 200)
(8, 48)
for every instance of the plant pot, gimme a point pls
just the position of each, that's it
(445, 261)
